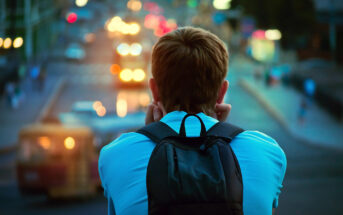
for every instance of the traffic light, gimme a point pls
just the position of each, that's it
(71, 17)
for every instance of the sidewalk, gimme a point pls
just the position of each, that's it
(283, 104)
(29, 111)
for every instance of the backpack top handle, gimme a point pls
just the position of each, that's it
(182, 132)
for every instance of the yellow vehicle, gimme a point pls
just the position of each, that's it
(57, 160)
(131, 64)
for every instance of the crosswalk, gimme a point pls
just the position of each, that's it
(84, 74)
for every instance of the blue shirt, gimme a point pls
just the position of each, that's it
(123, 165)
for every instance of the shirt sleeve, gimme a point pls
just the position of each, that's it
(281, 177)
(101, 174)
(111, 210)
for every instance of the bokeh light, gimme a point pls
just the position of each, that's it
(81, 3)
(151, 21)
(126, 75)
(7, 43)
(116, 24)
(44, 142)
(90, 37)
(96, 105)
(222, 4)
(134, 5)
(273, 34)
(101, 111)
(121, 107)
(192, 3)
(134, 28)
(115, 69)
(259, 34)
(18, 42)
(71, 17)
(138, 75)
(69, 143)
(262, 50)
(1, 41)
(136, 49)
(123, 49)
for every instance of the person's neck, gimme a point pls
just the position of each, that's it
(210, 113)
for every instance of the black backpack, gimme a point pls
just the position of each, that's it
(193, 175)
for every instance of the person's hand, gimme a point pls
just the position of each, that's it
(222, 111)
(154, 113)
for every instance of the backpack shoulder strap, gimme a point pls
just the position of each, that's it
(157, 131)
(225, 130)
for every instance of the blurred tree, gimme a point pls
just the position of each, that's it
(294, 18)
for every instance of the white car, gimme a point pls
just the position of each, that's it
(75, 51)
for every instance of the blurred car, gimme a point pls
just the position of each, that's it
(57, 160)
(84, 107)
(75, 51)
(107, 125)
(132, 65)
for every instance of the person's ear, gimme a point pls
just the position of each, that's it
(154, 89)
(222, 91)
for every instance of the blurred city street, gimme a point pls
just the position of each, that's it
(313, 145)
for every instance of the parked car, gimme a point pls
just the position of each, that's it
(75, 51)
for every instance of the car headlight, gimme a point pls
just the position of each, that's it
(138, 75)
(123, 49)
(126, 75)
(69, 143)
(135, 49)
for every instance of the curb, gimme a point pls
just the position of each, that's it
(277, 115)
(44, 113)
(274, 112)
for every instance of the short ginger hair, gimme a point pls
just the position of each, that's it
(189, 66)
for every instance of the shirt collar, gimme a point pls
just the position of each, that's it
(174, 118)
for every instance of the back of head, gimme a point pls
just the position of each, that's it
(189, 66)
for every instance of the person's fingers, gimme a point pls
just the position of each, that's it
(222, 111)
(160, 106)
(157, 114)
(149, 118)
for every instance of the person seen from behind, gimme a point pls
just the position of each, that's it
(189, 69)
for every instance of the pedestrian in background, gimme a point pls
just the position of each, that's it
(306, 101)
(9, 91)
(34, 74)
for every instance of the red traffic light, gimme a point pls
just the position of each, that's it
(71, 17)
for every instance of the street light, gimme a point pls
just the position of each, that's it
(222, 4)
(18, 42)
(7, 43)
(81, 3)
(134, 5)
(136, 49)
(134, 28)
(138, 75)
(273, 34)
(69, 143)
(126, 75)
(71, 17)
(123, 49)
